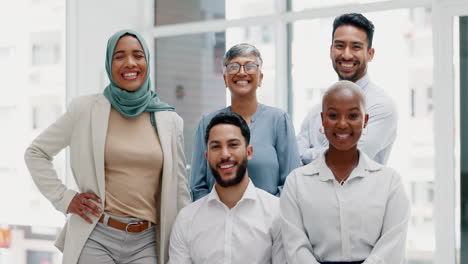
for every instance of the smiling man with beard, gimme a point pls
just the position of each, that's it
(350, 51)
(236, 222)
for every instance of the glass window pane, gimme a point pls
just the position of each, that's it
(402, 66)
(188, 76)
(298, 5)
(189, 72)
(34, 96)
(181, 11)
(32, 69)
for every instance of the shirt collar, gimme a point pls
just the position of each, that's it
(258, 112)
(249, 193)
(320, 169)
(363, 82)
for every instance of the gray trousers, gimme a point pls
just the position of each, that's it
(108, 245)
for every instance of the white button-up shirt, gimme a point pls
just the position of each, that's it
(366, 218)
(207, 231)
(379, 135)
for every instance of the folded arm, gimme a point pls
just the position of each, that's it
(381, 132)
(309, 149)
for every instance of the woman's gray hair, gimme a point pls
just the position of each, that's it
(346, 85)
(242, 49)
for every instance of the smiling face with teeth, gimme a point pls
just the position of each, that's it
(227, 154)
(129, 64)
(242, 84)
(343, 118)
(349, 52)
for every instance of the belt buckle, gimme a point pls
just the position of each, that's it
(132, 224)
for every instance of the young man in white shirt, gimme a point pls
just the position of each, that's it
(350, 51)
(236, 222)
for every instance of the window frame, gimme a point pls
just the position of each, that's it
(443, 13)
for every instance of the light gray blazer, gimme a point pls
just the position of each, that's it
(83, 127)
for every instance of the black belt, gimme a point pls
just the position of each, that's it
(343, 262)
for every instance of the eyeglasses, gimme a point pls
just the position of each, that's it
(249, 68)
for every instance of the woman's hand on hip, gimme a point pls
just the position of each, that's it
(82, 205)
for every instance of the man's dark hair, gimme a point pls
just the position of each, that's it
(232, 119)
(357, 20)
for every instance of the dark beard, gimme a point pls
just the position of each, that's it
(352, 78)
(239, 175)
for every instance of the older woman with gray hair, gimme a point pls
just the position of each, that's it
(272, 133)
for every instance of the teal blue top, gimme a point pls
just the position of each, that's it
(144, 99)
(275, 152)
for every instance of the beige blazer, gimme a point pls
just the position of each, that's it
(83, 127)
